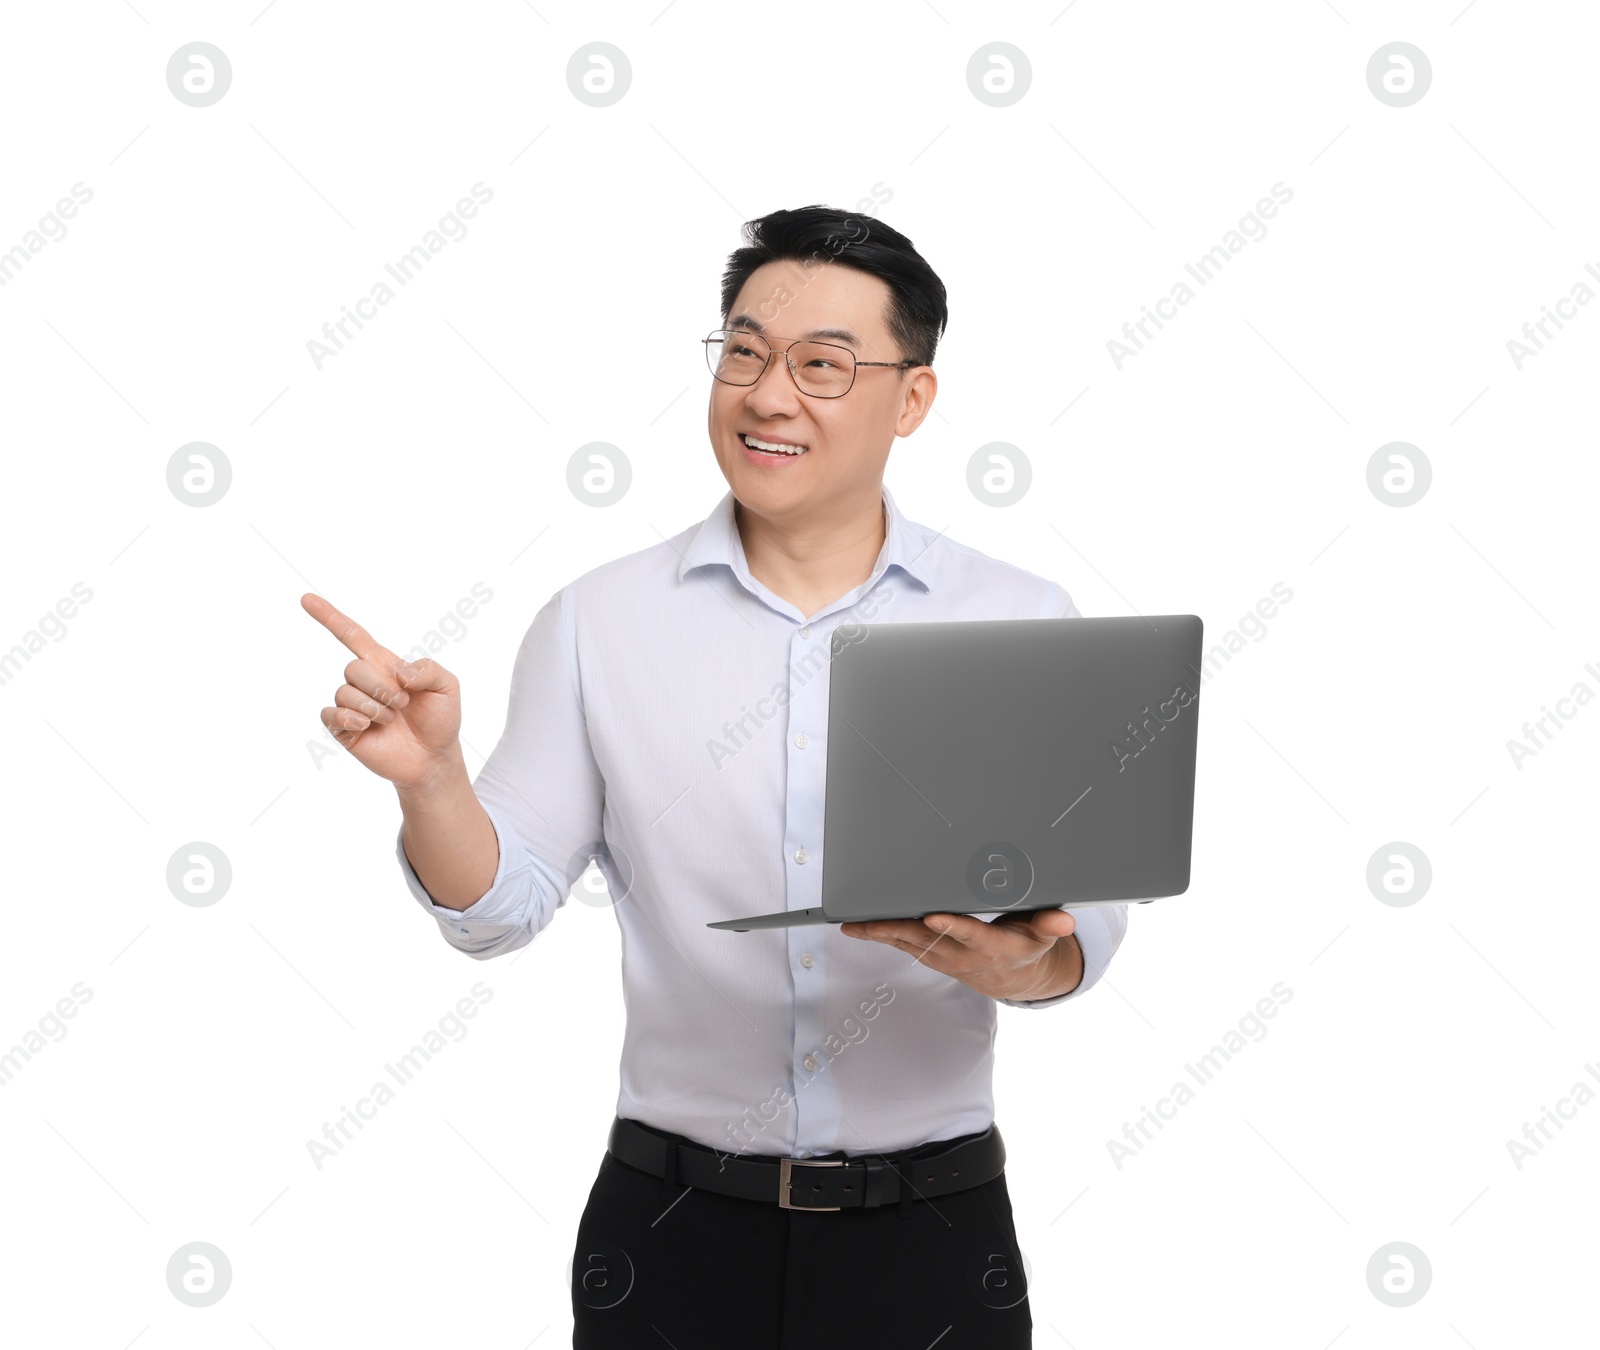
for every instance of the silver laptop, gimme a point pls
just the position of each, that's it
(1002, 765)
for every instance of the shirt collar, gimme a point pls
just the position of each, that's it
(717, 541)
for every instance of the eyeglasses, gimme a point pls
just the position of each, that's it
(820, 369)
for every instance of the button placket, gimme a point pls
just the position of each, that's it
(814, 1096)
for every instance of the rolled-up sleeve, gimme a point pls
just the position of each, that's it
(1100, 930)
(541, 790)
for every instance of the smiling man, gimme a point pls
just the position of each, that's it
(805, 1137)
(806, 471)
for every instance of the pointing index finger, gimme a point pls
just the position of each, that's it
(348, 631)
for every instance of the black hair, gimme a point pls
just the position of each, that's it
(917, 310)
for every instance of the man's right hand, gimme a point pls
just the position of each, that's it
(402, 721)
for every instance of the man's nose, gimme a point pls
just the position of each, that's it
(776, 388)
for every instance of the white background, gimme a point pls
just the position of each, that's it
(430, 454)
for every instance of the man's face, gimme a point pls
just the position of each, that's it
(847, 439)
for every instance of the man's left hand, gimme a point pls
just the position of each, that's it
(1017, 956)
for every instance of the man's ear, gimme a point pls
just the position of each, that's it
(916, 399)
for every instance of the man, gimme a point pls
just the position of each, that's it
(667, 719)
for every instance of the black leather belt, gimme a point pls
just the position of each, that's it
(829, 1182)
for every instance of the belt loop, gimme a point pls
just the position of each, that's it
(906, 1193)
(669, 1173)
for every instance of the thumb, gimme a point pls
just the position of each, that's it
(1054, 923)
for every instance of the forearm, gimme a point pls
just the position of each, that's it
(449, 838)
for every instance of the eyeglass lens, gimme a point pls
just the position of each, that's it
(820, 368)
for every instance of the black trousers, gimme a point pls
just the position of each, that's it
(690, 1269)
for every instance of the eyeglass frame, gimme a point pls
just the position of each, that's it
(772, 351)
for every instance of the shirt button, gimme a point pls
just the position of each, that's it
(805, 960)
(799, 855)
(806, 631)
(810, 1061)
(801, 740)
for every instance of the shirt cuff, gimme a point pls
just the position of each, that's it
(1100, 929)
(494, 921)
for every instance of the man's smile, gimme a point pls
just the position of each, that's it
(771, 447)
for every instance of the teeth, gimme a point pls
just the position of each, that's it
(755, 444)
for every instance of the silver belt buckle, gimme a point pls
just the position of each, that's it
(784, 1168)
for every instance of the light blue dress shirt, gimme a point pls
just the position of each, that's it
(669, 714)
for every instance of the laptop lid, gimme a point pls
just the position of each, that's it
(986, 766)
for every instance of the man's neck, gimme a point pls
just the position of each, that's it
(812, 564)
